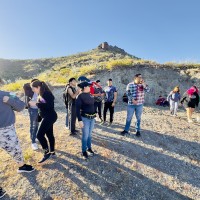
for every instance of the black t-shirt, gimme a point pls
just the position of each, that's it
(98, 91)
(84, 104)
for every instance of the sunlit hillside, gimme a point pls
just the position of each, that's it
(12, 70)
(104, 58)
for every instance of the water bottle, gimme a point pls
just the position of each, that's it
(12, 95)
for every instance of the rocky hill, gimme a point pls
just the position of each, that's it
(104, 62)
(24, 69)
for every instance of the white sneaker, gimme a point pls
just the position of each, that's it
(34, 146)
(190, 121)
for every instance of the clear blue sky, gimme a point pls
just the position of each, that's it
(158, 30)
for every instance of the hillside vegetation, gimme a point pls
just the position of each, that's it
(58, 70)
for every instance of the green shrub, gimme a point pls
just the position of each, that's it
(16, 86)
(119, 63)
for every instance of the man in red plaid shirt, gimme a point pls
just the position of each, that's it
(135, 92)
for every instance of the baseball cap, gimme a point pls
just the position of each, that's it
(84, 84)
(83, 78)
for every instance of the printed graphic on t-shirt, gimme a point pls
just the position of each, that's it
(109, 90)
(98, 91)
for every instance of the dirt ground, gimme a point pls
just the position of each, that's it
(164, 163)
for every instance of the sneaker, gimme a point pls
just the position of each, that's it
(73, 133)
(53, 154)
(25, 168)
(138, 134)
(85, 155)
(45, 158)
(2, 193)
(34, 146)
(124, 132)
(101, 120)
(90, 152)
(76, 131)
(190, 121)
(110, 124)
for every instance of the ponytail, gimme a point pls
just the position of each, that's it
(43, 86)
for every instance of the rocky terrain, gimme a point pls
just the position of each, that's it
(164, 163)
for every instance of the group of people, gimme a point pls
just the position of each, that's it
(83, 100)
(189, 100)
(40, 103)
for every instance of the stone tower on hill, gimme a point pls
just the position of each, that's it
(104, 46)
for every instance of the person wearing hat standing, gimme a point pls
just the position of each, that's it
(85, 114)
(110, 101)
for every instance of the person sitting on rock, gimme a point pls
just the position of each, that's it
(162, 101)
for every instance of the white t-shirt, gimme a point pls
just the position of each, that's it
(34, 98)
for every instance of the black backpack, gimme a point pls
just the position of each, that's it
(65, 95)
(125, 98)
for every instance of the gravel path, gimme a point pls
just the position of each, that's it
(164, 163)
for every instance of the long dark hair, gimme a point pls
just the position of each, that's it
(43, 86)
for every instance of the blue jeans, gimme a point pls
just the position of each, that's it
(87, 133)
(33, 114)
(138, 113)
(67, 118)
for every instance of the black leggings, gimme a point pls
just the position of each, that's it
(46, 127)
